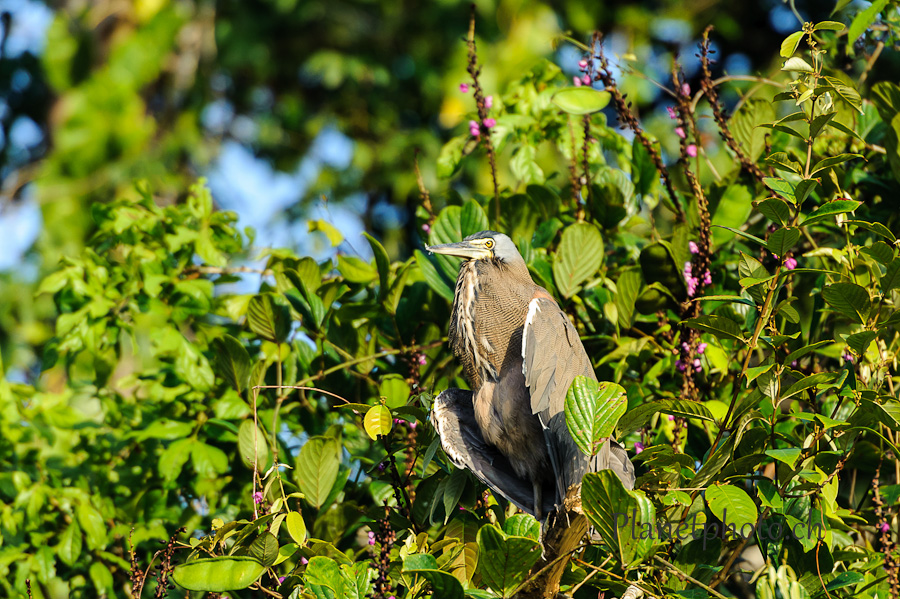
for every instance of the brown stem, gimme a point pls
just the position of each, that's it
(474, 71)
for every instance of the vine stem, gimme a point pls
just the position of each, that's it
(688, 577)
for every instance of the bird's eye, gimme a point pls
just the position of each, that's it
(489, 243)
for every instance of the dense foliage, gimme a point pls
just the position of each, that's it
(742, 294)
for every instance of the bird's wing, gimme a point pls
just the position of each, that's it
(453, 416)
(552, 356)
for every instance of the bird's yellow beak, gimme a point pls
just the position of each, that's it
(461, 249)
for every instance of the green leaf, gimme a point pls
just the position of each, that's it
(859, 342)
(781, 241)
(846, 93)
(443, 584)
(782, 161)
(504, 561)
(790, 43)
(317, 469)
(814, 380)
(433, 277)
(832, 161)
(721, 327)
(579, 256)
(92, 524)
(269, 320)
(395, 390)
(829, 26)
(828, 210)
(877, 228)
(640, 416)
(787, 456)
(524, 166)
(744, 234)
(523, 525)
(627, 288)
(819, 122)
(218, 574)
(581, 100)
(69, 546)
(296, 527)
(382, 263)
(618, 515)
(253, 446)
(209, 461)
(592, 410)
(781, 187)
(232, 361)
(731, 505)
(173, 459)
(796, 64)
(775, 210)
(356, 270)
(378, 421)
(864, 19)
(450, 156)
(265, 549)
(472, 219)
(891, 278)
(848, 299)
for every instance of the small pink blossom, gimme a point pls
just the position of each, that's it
(693, 247)
(848, 357)
(692, 151)
(790, 263)
(371, 538)
(794, 363)
(707, 278)
(697, 364)
(422, 359)
(671, 417)
(474, 129)
(679, 131)
(426, 227)
(639, 447)
(685, 346)
(489, 101)
(701, 348)
(412, 425)
(258, 497)
(464, 88)
(280, 579)
(884, 527)
(685, 89)
(671, 111)
(577, 81)
(303, 561)
(490, 123)
(680, 365)
(583, 64)
(586, 79)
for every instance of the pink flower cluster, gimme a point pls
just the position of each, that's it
(697, 364)
(371, 538)
(639, 447)
(694, 282)
(412, 424)
(475, 126)
(848, 357)
(679, 131)
(584, 78)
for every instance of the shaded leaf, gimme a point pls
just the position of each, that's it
(592, 410)
(848, 299)
(579, 256)
(504, 561)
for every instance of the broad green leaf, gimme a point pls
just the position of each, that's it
(324, 573)
(356, 270)
(796, 64)
(627, 288)
(433, 277)
(174, 457)
(581, 100)
(317, 469)
(874, 227)
(891, 278)
(775, 210)
(756, 371)
(268, 319)
(91, 522)
(504, 561)
(827, 211)
(592, 410)
(395, 390)
(640, 416)
(524, 166)
(781, 187)
(790, 43)
(472, 219)
(265, 549)
(781, 241)
(253, 446)
(864, 19)
(782, 161)
(859, 342)
(69, 546)
(814, 380)
(832, 161)
(443, 584)
(848, 299)
(732, 212)
(378, 421)
(799, 353)
(819, 122)
(731, 505)
(578, 257)
(788, 456)
(165, 429)
(523, 525)
(829, 26)
(881, 252)
(296, 527)
(450, 156)
(218, 574)
(617, 513)
(208, 461)
(721, 327)
(382, 263)
(232, 361)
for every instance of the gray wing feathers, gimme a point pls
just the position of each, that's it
(453, 417)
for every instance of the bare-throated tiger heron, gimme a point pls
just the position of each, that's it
(520, 353)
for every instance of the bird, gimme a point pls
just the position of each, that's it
(520, 354)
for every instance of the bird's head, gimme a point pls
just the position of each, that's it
(486, 245)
